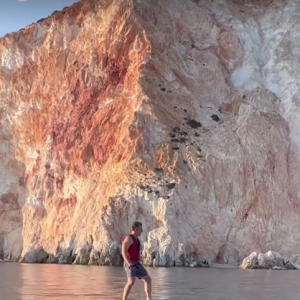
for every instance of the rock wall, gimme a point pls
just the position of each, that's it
(181, 114)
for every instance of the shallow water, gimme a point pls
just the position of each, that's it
(64, 282)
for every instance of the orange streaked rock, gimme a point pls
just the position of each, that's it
(175, 113)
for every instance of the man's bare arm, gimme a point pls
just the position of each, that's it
(125, 245)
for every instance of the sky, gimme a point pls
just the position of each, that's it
(16, 14)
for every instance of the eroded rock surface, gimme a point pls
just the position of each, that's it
(181, 114)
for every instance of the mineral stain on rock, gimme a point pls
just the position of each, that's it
(194, 124)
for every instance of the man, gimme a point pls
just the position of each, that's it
(132, 266)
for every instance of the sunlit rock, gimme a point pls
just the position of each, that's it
(183, 115)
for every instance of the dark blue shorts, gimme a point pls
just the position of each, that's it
(137, 271)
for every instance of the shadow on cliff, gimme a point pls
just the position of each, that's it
(13, 196)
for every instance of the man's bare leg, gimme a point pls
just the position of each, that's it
(147, 282)
(128, 287)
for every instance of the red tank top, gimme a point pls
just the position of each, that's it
(133, 251)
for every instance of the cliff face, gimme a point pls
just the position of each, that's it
(181, 114)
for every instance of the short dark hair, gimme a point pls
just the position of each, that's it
(136, 225)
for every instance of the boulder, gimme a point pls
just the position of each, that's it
(269, 260)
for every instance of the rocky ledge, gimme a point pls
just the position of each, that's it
(270, 260)
(89, 256)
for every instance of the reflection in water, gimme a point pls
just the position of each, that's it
(64, 282)
(69, 282)
(10, 281)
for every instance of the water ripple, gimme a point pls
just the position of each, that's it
(64, 282)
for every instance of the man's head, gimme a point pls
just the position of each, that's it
(137, 228)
